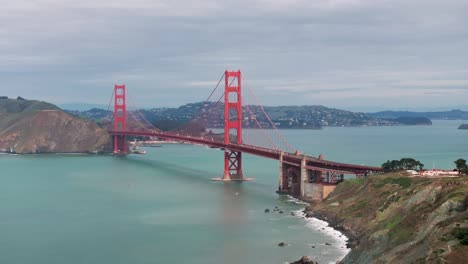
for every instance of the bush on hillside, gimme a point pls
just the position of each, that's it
(402, 164)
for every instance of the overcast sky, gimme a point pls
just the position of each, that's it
(352, 54)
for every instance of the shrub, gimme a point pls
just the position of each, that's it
(355, 181)
(461, 234)
(404, 182)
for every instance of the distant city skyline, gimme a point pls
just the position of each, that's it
(360, 55)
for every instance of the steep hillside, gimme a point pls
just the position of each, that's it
(396, 219)
(28, 126)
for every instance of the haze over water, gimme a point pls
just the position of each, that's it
(162, 207)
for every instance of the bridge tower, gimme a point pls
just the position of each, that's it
(232, 121)
(120, 119)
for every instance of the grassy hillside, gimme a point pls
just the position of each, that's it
(396, 219)
(21, 106)
(29, 126)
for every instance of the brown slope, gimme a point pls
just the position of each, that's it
(50, 131)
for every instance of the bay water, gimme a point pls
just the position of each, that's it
(162, 207)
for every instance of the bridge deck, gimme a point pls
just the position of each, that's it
(289, 158)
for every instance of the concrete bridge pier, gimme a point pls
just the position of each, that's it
(301, 182)
(289, 179)
(283, 181)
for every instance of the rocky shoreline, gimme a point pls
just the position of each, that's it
(334, 223)
(341, 239)
(373, 214)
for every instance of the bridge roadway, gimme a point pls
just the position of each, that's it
(293, 159)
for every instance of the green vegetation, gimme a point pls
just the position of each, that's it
(21, 105)
(393, 222)
(400, 233)
(461, 166)
(407, 120)
(354, 181)
(461, 234)
(402, 164)
(359, 205)
(404, 182)
(453, 114)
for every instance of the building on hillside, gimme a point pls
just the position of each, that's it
(438, 172)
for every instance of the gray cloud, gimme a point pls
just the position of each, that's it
(343, 53)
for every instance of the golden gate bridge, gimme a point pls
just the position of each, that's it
(300, 175)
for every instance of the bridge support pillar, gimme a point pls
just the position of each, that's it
(120, 145)
(282, 181)
(304, 176)
(120, 119)
(232, 166)
(232, 122)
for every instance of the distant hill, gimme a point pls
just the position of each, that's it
(453, 114)
(464, 126)
(29, 126)
(286, 117)
(410, 120)
(22, 105)
(81, 106)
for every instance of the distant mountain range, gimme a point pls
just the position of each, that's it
(286, 117)
(453, 114)
(81, 106)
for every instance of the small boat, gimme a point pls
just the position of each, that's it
(136, 150)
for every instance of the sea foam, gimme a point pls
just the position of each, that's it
(339, 239)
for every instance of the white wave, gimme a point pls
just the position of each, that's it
(339, 239)
(295, 200)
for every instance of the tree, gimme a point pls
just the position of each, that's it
(402, 164)
(461, 166)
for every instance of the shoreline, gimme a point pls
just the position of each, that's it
(351, 238)
(341, 237)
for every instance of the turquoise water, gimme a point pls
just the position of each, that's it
(162, 206)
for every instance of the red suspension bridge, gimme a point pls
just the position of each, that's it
(299, 175)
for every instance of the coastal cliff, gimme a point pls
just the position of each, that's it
(28, 126)
(396, 219)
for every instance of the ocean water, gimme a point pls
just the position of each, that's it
(162, 207)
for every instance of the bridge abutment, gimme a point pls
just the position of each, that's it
(302, 182)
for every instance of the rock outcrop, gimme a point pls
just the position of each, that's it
(305, 260)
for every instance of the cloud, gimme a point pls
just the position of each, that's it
(290, 51)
